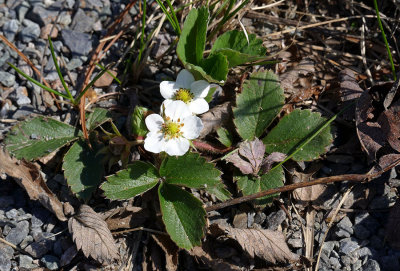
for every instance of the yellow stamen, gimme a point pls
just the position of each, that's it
(184, 95)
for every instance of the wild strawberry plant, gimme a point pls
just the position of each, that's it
(168, 136)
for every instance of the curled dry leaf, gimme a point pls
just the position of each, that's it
(349, 91)
(265, 244)
(91, 234)
(125, 217)
(28, 176)
(219, 116)
(249, 157)
(309, 193)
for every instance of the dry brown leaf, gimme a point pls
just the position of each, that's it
(299, 75)
(170, 249)
(265, 244)
(349, 91)
(390, 123)
(125, 217)
(216, 117)
(28, 176)
(91, 234)
(309, 193)
(213, 264)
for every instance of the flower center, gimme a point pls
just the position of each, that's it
(171, 129)
(184, 95)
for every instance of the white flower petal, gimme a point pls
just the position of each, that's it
(177, 110)
(154, 122)
(200, 88)
(192, 127)
(168, 89)
(198, 106)
(177, 146)
(184, 79)
(154, 142)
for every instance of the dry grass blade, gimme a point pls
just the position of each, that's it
(28, 177)
(265, 244)
(26, 59)
(91, 234)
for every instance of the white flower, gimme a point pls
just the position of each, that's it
(187, 90)
(172, 131)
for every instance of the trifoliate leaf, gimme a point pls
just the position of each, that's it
(238, 50)
(138, 126)
(225, 137)
(128, 183)
(183, 215)
(83, 168)
(216, 66)
(259, 103)
(193, 37)
(97, 118)
(38, 137)
(293, 130)
(190, 170)
(249, 184)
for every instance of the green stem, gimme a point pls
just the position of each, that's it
(38, 83)
(53, 55)
(384, 39)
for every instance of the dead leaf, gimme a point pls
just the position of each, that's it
(213, 264)
(268, 161)
(392, 226)
(299, 77)
(265, 244)
(68, 256)
(390, 124)
(309, 193)
(91, 234)
(28, 176)
(249, 157)
(349, 91)
(125, 217)
(170, 249)
(216, 117)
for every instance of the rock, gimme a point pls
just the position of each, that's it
(344, 228)
(22, 9)
(78, 43)
(275, 219)
(26, 241)
(23, 112)
(30, 32)
(37, 249)
(49, 30)
(74, 63)
(64, 18)
(347, 246)
(10, 29)
(5, 260)
(39, 216)
(4, 57)
(12, 214)
(394, 183)
(17, 234)
(295, 243)
(357, 265)
(22, 96)
(42, 15)
(328, 247)
(105, 80)
(335, 263)
(26, 262)
(371, 265)
(366, 220)
(361, 232)
(51, 262)
(82, 22)
(7, 79)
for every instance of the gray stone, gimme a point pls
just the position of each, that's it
(64, 18)
(357, 265)
(42, 15)
(26, 241)
(347, 246)
(23, 112)
(6, 254)
(82, 22)
(37, 249)
(361, 232)
(30, 32)
(328, 247)
(7, 79)
(344, 228)
(17, 234)
(21, 96)
(12, 214)
(364, 251)
(26, 262)
(22, 9)
(77, 43)
(371, 265)
(335, 263)
(275, 219)
(51, 262)
(6, 201)
(368, 221)
(295, 243)
(10, 29)
(39, 216)
(4, 57)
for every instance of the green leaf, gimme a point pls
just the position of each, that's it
(200, 74)
(97, 118)
(38, 137)
(83, 168)
(219, 191)
(225, 137)
(216, 66)
(128, 183)
(259, 103)
(249, 184)
(193, 37)
(234, 45)
(295, 128)
(183, 215)
(210, 94)
(190, 170)
(138, 125)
